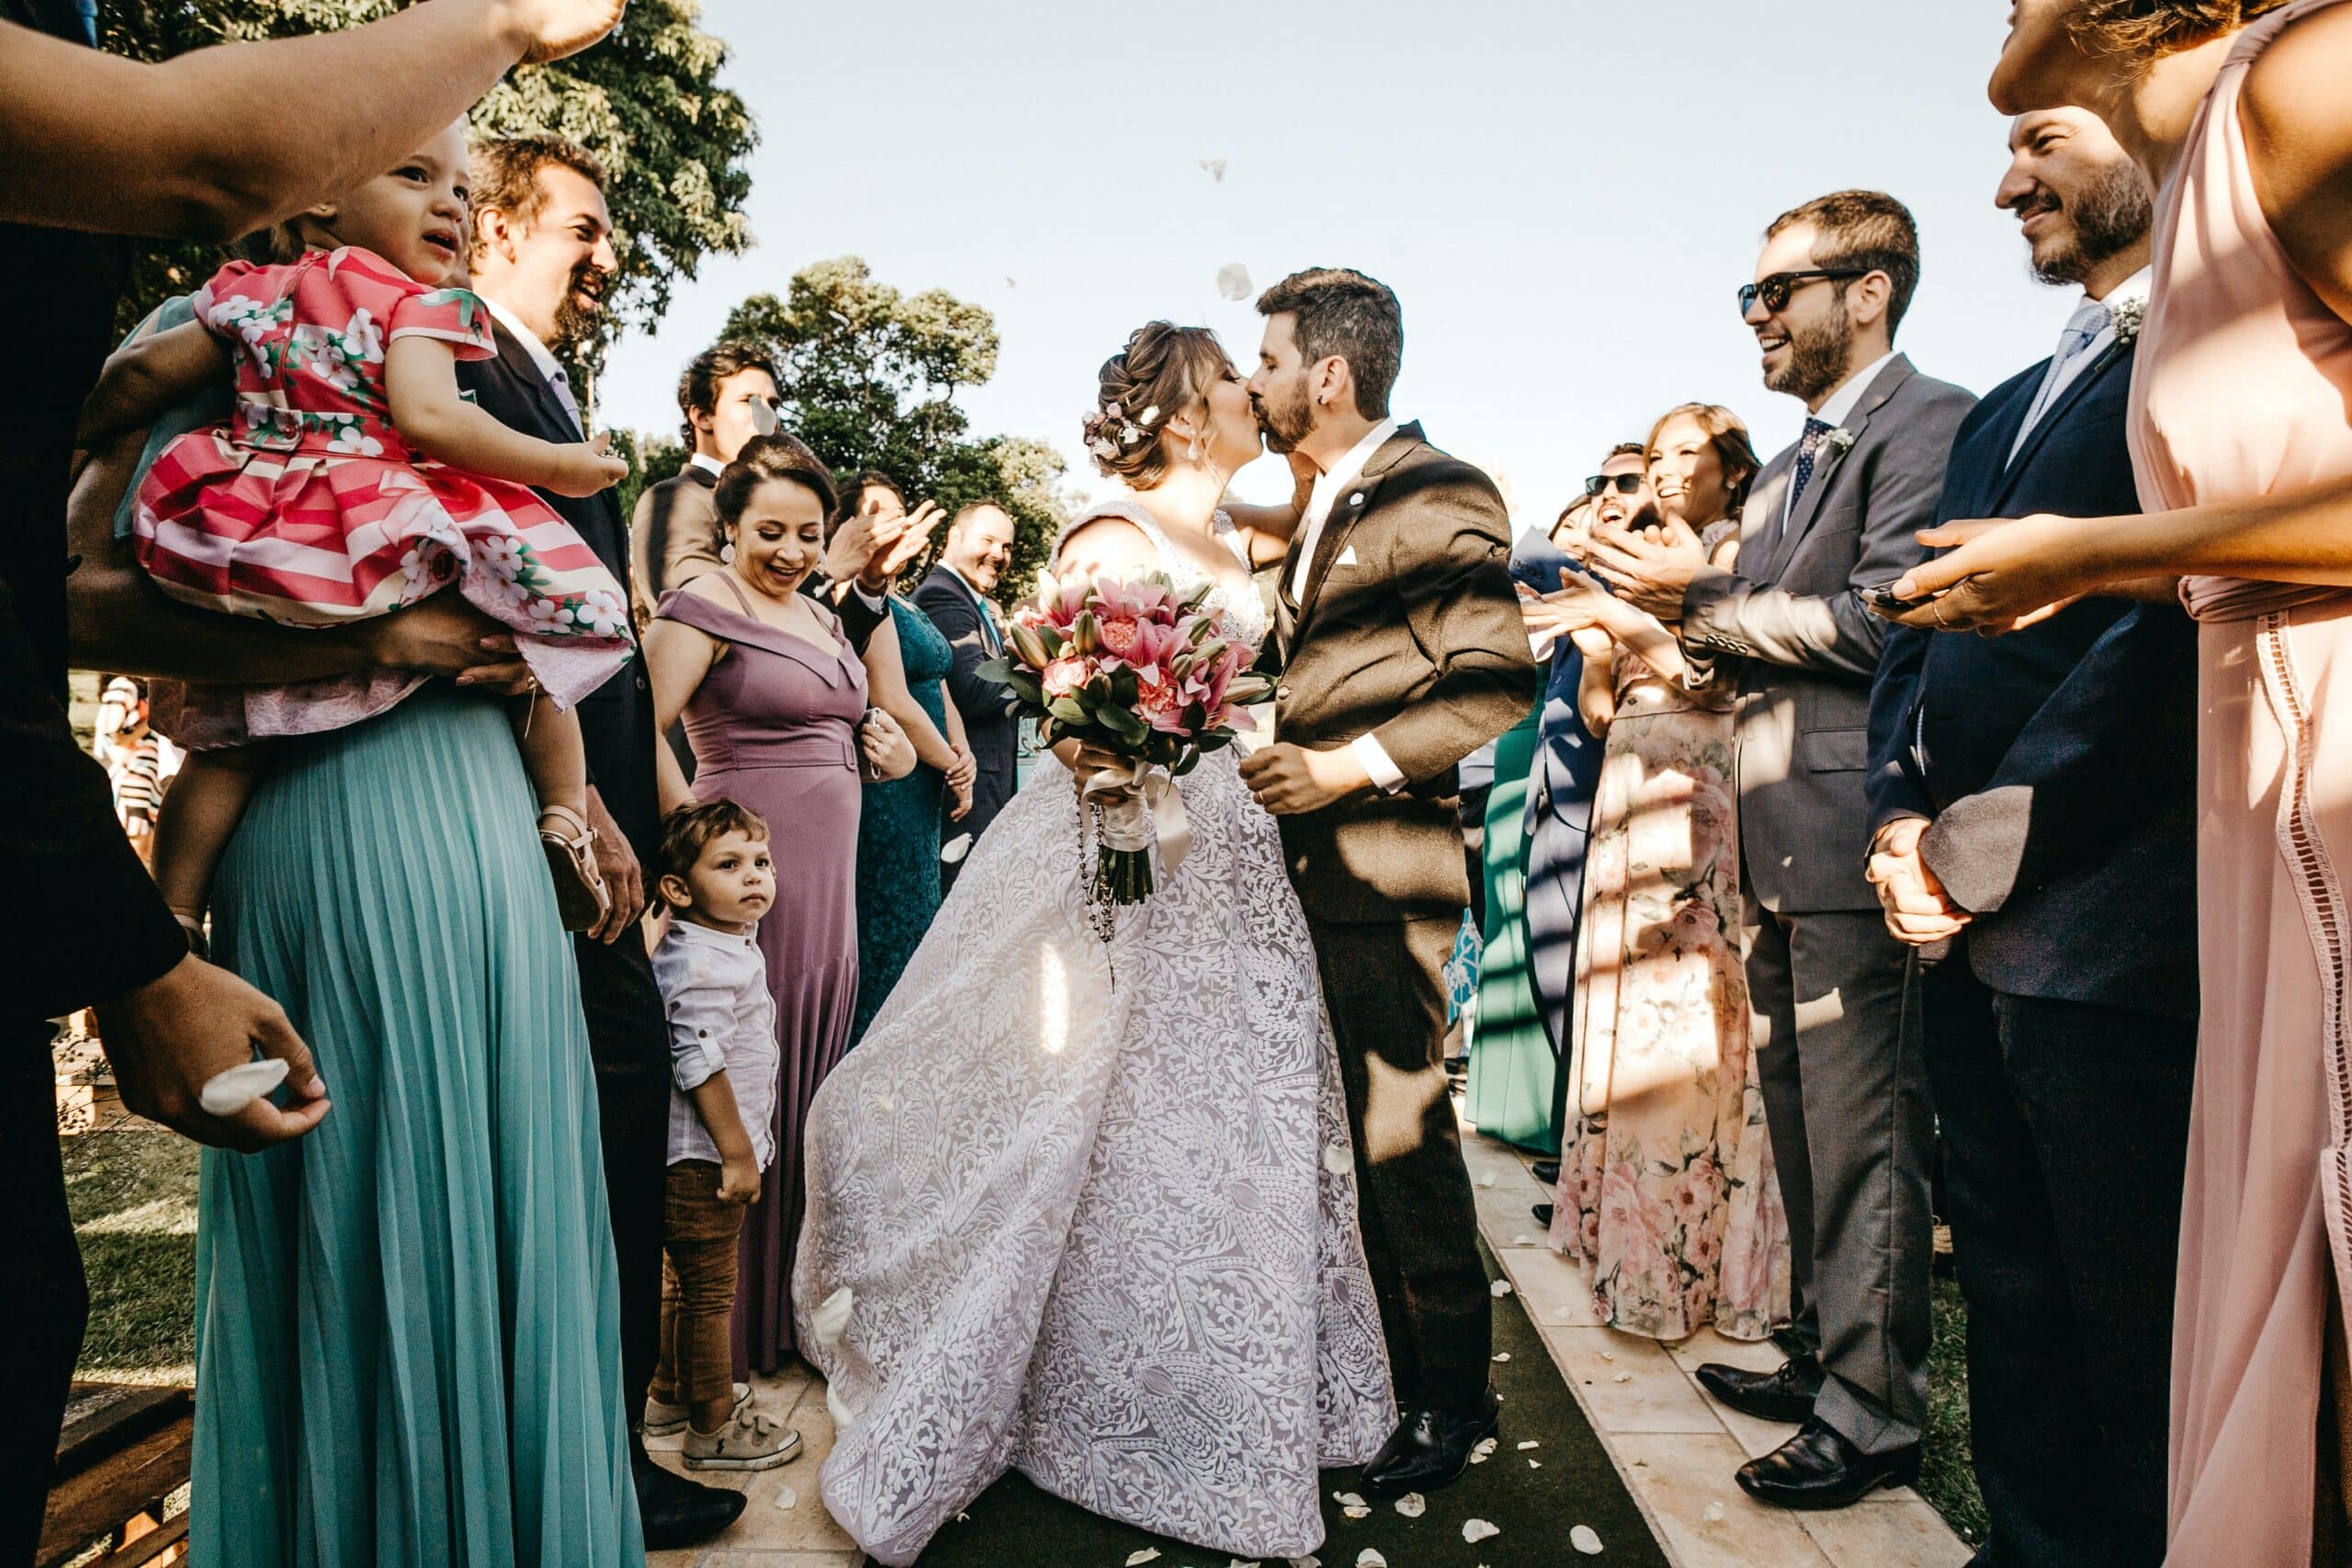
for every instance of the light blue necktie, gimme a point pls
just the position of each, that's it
(2083, 329)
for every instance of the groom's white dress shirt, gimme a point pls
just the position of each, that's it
(2090, 332)
(1373, 757)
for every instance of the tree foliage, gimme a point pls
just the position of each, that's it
(869, 377)
(645, 101)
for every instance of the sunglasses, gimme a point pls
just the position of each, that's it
(1775, 290)
(1627, 484)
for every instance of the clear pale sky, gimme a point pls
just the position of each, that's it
(1564, 195)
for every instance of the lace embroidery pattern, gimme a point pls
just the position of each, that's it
(1107, 1234)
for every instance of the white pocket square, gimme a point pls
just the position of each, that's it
(1347, 558)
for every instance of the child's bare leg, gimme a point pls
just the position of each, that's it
(557, 761)
(198, 815)
(553, 753)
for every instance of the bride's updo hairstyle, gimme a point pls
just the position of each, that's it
(2147, 29)
(1163, 371)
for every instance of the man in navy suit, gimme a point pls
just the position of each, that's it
(543, 257)
(2033, 798)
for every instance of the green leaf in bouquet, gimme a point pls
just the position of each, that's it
(1027, 688)
(1123, 723)
(1186, 763)
(1068, 710)
(999, 670)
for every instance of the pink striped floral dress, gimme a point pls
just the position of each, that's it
(308, 509)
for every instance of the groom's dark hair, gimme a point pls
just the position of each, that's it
(1340, 313)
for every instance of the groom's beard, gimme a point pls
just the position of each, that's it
(1284, 427)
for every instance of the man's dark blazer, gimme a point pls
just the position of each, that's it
(1566, 778)
(2058, 764)
(990, 727)
(617, 719)
(674, 536)
(1408, 631)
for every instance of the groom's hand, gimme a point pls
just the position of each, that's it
(1288, 779)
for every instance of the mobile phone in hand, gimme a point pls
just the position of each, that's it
(1882, 600)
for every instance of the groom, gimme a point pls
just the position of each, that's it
(1401, 651)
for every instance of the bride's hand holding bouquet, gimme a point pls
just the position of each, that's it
(1135, 674)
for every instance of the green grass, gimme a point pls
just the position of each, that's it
(132, 1190)
(1946, 1478)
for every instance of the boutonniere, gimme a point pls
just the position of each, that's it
(1836, 441)
(2130, 316)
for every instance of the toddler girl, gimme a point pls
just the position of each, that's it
(353, 479)
(717, 881)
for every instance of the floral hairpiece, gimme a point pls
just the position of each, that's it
(1109, 432)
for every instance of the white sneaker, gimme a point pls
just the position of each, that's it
(661, 1420)
(749, 1441)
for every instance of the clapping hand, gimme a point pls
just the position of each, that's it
(1569, 608)
(1651, 569)
(871, 551)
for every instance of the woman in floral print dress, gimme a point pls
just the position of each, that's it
(1666, 1192)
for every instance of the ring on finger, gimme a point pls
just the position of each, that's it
(1936, 605)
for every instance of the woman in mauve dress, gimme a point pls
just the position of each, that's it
(2243, 444)
(772, 695)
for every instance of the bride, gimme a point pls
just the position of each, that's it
(1104, 1230)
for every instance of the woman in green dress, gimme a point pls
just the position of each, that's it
(1512, 1060)
(408, 1323)
(900, 832)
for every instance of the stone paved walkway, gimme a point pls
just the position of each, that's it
(1675, 1449)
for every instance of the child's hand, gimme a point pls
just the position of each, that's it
(584, 469)
(739, 1179)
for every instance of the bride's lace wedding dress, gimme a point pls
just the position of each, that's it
(1104, 1232)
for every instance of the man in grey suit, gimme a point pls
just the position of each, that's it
(1845, 1090)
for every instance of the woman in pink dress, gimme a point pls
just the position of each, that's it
(2242, 436)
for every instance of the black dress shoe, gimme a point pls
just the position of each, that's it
(1819, 1468)
(1543, 1212)
(1429, 1448)
(1548, 1172)
(1784, 1395)
(677, 1512)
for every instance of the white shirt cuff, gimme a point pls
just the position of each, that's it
(1374, 758)
(873, 601)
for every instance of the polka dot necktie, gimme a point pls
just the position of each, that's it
(1808, 454)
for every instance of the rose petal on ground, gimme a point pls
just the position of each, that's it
(1336, 1160)
(1503, 1354)
(1371, 1559)
(1609, 1355)
(1476, 1530)
(1531, 1443)
(1412, 1505)
(1137, 1559)
(1622, 1377)
(1347, 1499)
(1488, 1179)
(785, 1497)
(1535, 1464)
(1713, 1514)
(1306, 1563)
(1583, 1539)
(1500, 1288)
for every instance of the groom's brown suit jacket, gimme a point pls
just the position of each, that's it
(1408, 631)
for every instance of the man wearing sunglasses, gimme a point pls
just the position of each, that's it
(1621, 492)
(1845, 1093)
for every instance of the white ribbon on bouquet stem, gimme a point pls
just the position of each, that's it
(1140, 802)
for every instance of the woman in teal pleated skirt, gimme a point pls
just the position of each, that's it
(1511, 1060)
(408, 1323)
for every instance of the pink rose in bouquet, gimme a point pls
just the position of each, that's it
(1135, 669)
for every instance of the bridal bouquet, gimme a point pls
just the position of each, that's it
(1138, 669)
